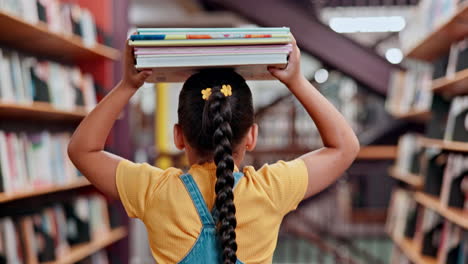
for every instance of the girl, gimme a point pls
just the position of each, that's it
(214, 213)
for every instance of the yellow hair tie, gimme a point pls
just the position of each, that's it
(226, 90)
(206, 93)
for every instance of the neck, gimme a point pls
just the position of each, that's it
(196, 159)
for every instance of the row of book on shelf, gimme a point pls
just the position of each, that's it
(444, 174)
(31, 161)
(410, 89)
(49, 233)
(25, 79)
(61, 17)
(429, 233)
(428, 16)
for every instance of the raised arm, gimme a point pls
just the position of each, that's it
(86, 148)
(341, 145)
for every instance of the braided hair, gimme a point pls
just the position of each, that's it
(214, 127)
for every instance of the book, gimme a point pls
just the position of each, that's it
(436, 161)
(209, 42)
(204, 36)
(432, 233)
(240, 30)
(451, 246)
(453, 192)
(456, 129)
(440, 108)
(410, 151)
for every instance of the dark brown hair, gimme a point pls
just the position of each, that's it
(213, 128)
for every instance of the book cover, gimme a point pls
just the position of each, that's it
(204, 36)
(208, 42)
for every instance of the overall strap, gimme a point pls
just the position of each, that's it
(197, 199)
(237, 176)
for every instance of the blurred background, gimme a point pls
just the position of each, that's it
(396, 69)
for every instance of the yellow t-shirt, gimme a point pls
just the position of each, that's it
(262, 198)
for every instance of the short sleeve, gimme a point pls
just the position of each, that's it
(136, 183)
(285, 183)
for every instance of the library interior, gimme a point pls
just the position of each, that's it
(396, 71)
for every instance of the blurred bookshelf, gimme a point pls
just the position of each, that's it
(47, 43)
(427, 216)
(54, 67)
(411, 179)
(445, 144)
(84, 250)
(410, 249)
(454, 85)
(40, 111)
(36, 193)
(438, 42)
(455, 215)
(414, 115)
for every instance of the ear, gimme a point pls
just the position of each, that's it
(251, 140)
(179, 137)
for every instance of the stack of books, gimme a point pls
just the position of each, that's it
(176, 53)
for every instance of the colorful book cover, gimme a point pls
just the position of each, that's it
(209, 42)
(212, 30)
(204, 36)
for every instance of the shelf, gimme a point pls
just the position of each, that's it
(438, 42)
(414, 180)
(383, 152)
(42, 191)
(443, 144)
(414, 115)
(411, 250)
(38, 40)
(457, 85)
(39, 111)
(84, 250)
(455, 215)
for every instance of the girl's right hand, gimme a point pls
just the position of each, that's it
(292, 72)
(131, 76)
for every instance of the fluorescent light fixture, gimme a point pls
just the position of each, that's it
(321, 76)
(367, 24)
(394, 55)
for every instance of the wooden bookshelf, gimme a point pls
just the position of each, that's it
(384, 152)
(43, 191)
(411, 250)
(438, 42)
(84, 250)
(39, 40)
(457, 85)
(455, 215)
(444, 144)
(414, 115)
(39, 111)
(414, 180)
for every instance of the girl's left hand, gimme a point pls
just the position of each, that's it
(131, 76)
(292, 72)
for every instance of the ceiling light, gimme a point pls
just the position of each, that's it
(367, 24)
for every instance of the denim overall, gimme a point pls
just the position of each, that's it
(207, 248)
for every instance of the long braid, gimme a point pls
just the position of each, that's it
(219, 110)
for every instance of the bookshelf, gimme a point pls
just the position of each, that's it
(411, 179)
(82, 251)
(446, 145)
(454, 215)
(457, 85)
(439, 41)
(40, 111)
(413, 115)
(384, 152)
(410, 249)
(47, 43)
(43, 191)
